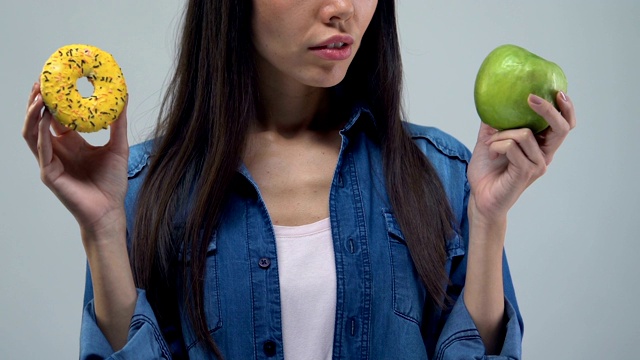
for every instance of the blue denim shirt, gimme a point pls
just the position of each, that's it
(380, 309)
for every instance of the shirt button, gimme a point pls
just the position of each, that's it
(264, 263)
(269, 348)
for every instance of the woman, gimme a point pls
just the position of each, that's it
(284, 209)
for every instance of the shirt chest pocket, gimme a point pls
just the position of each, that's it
(211, 295)
(407, 291)
(409, 294)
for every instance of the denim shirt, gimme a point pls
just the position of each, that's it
(381, 307)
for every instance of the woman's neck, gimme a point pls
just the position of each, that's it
(290, 108)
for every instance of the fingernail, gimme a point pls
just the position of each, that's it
(35, 100)
(34, 86)
(564, 97)
(535, 99)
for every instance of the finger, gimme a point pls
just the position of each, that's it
(526, 141)
(35, 90)
(30, 127)
(65, 138)
(566, 108)
(60, 129)
(559, 127)
(45, 150)
(119, 131)
(510, 149)
(521, 165)
(485, 133)
(558, 124)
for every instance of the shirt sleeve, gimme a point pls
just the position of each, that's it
(456, 333)
(145, 340)
(460, 337)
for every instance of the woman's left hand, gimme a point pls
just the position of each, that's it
(505, 163)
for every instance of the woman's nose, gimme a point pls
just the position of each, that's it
(337, 11)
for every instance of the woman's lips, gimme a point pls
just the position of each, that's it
(334, 51)
(337, 47)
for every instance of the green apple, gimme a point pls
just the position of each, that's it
(506, 78)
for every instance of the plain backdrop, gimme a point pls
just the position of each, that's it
(570, 241)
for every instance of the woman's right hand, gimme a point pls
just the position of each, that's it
(90, 181)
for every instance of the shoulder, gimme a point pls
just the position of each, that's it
(436, 143)
(139, 156)
(450, 159)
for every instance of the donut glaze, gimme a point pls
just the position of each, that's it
(62, 98)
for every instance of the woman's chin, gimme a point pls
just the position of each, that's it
(326, 79)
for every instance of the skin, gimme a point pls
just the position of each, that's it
(503, 165)
(293, 82)
(92, 181)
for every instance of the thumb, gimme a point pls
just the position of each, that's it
(119, 131)
(485, 133)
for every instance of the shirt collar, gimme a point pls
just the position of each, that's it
(361, 116)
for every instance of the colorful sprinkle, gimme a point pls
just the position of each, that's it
(71, 63)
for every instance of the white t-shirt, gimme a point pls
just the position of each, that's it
(307, 273)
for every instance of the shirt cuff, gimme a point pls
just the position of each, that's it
(460, 337)
(144, 341)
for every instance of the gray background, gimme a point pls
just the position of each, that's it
(570, 241)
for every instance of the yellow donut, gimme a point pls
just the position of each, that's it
(64, 101)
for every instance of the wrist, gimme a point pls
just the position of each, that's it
(485, 219)
(486, 228)
(110, 229)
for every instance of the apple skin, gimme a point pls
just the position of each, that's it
(506, 78)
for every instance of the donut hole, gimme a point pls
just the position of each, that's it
(85, 88)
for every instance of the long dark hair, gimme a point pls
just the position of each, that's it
(201, 135)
